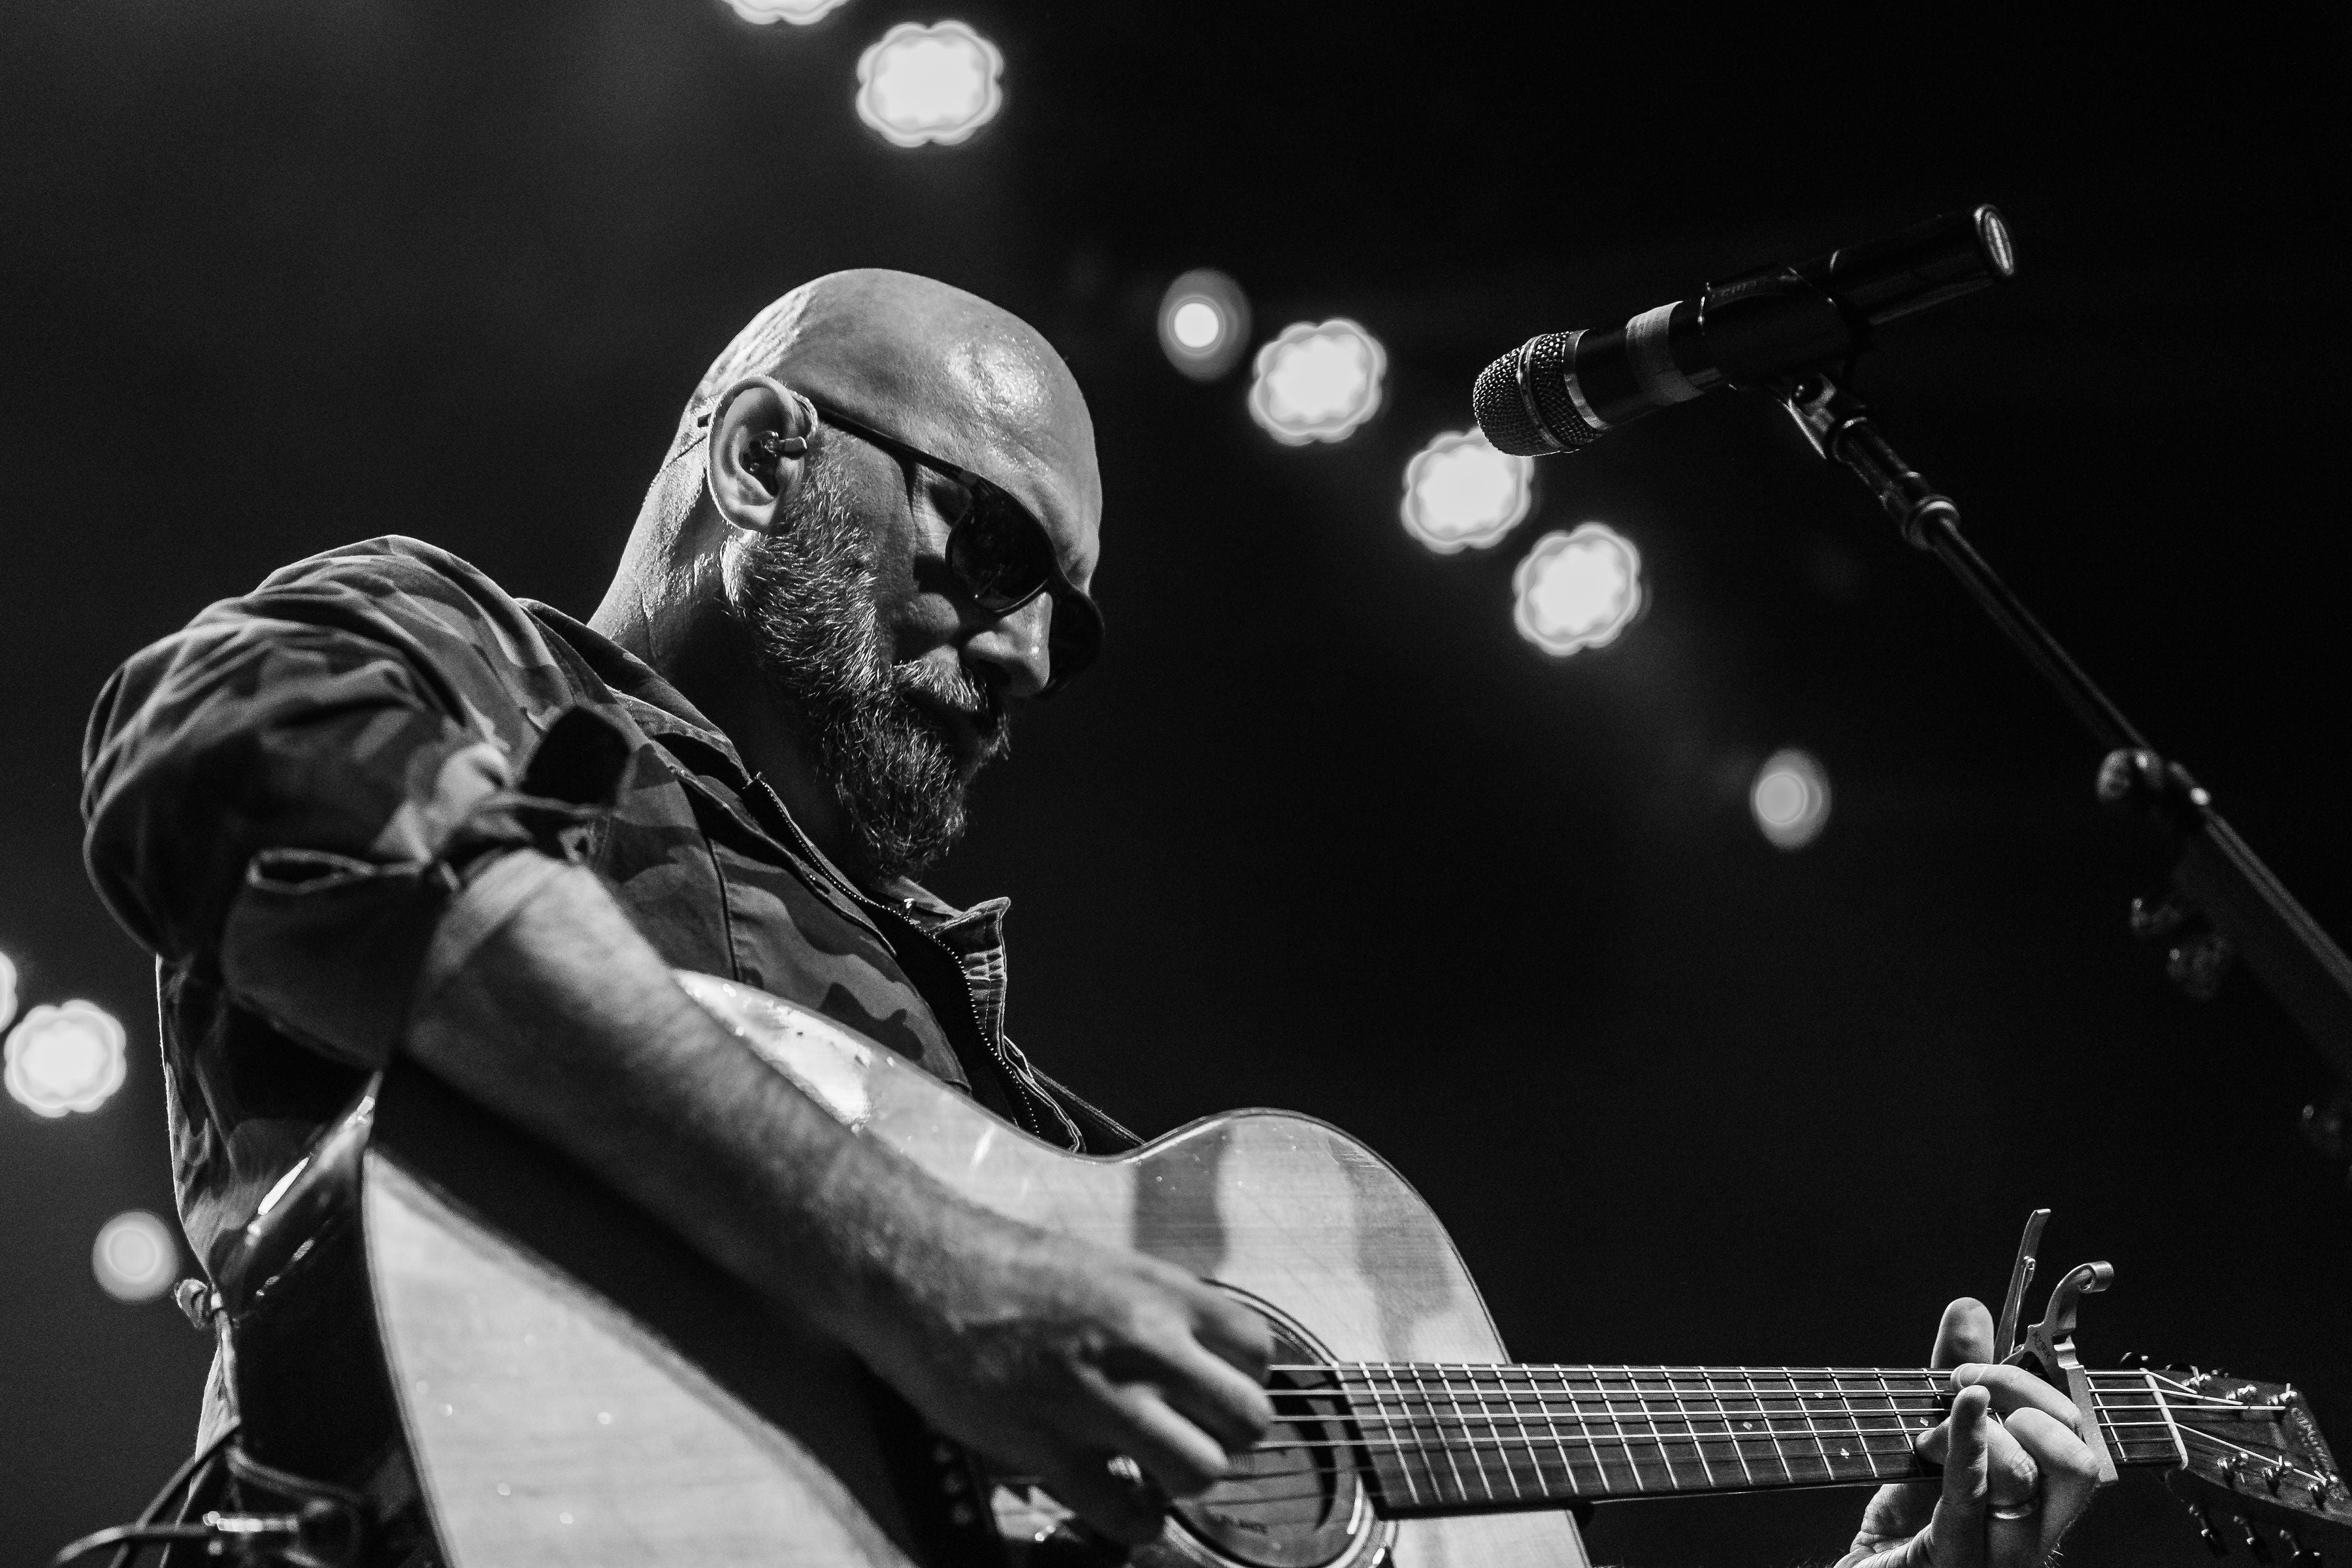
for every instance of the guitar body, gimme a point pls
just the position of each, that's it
(576, 1387)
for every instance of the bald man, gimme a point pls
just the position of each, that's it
(379, 805)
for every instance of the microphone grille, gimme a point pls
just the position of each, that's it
(1523, 404)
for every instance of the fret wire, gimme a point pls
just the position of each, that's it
(1404, 1464)
(1706, 1470)
(1633, 1465)
(1369, 1444)
(1771, 1431)
(1461, 1486)
(1665, 1455)
(1828, 1470)
(1737, 1452)
(1527, 1442)
(2098, 1415)
(1461, 1419)
(1908, 1452)
(1436, 1436)
(1854, 1422)
(1569, 1470)
(1500, 1442)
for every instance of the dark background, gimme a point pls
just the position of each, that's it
(1321, 832)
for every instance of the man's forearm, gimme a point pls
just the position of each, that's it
(560, 1017)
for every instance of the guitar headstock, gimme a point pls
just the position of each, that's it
(2259, 1471)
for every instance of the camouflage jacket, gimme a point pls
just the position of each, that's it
(279, 797)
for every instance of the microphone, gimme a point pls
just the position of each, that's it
(1561, 391)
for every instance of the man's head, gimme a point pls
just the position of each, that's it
(798, 563)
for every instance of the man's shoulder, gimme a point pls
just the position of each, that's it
(388, 567)
(403, 590)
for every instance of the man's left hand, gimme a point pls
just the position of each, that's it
(2016, 1471)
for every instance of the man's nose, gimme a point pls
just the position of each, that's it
(1014, 648)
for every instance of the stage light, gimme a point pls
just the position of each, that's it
(1204, 322)
(800, 12)
(1577, 590)
(1790, 799)
(8, 990)
(1317, 382)
(64, 1058)
(1460, 493)
(936, 84)
(136, 1256)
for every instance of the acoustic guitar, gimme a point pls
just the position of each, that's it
(504, 1365)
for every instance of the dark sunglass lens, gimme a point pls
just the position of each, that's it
(998, 554)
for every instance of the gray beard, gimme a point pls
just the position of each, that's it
(808, 604)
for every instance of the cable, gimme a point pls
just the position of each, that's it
(180, 1478)
(131, 1538)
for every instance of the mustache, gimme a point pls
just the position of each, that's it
(957, 689)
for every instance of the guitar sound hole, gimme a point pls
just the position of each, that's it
(1302, 1503)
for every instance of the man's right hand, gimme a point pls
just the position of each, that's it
(1051, 1355)
(1054, 1356)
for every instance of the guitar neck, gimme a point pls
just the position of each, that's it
(1450, 1439)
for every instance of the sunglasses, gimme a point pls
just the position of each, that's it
(1000, 553)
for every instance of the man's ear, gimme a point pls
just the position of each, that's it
(756, 457)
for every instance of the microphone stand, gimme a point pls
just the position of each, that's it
(2225, 902)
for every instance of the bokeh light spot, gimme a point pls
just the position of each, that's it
(936, 84)
(800, 12)
(7, 989)
(1791, 798)
(1195, 325)
(1577, 590)
(135, 1257)
(1317, 382)
(65, 1059)
(1205, 321)
(1459, 492)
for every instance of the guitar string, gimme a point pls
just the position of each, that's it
(1426, 1425)
(2107, 1380)
(1235, 1492)
(1699, 1417)
(1324, 1490)
(1232, 1493)
(2136, 1397)
(1631, 1440)
(1331, 1476)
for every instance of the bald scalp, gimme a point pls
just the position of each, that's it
(935, 366)
(884, 344)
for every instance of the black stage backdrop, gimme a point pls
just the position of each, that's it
(1322, 833)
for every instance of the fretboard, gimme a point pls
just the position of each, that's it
(1449, 1438)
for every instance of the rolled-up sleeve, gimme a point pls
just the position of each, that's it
(275, 795)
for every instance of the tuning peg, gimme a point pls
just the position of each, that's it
(2133, 1360)
(2298, 1555)
(2205, 1531)
(2254, 1541)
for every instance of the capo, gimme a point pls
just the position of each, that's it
(2020, 1274)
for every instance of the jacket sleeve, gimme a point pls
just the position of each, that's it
(275, 795)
